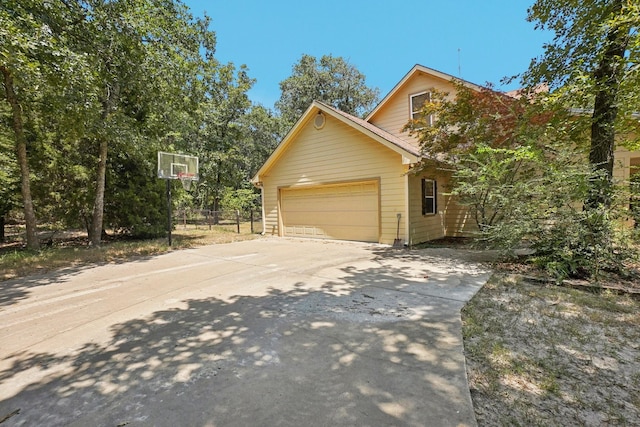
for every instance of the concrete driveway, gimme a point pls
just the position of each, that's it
(269, 332)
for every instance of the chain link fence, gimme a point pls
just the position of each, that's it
(208, 219)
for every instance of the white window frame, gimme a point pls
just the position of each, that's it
(413, 114)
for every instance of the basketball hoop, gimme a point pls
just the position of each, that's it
(185, 179)
(176, 166)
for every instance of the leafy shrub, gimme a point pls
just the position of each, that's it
(135, 203)
(243, 200)
(536, 198)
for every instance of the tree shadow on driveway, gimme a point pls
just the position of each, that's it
(378, 346)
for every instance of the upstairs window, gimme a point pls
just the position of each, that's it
(429, 197)
(417, 102)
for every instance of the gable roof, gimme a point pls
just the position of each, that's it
(409, 152)
(416, 70)
(386, 136)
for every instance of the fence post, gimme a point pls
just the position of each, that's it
(209, 218)
(238, 219)
(251, 216)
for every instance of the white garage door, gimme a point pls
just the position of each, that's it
(342, 211)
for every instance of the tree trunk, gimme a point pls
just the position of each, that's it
(95, 237)
(2, 224)
(98, 205)
(21, 152)
(216, 198)
(607, 79)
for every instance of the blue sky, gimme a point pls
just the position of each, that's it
(384, 39)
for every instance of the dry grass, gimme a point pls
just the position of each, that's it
(72, 249)
(552, 356)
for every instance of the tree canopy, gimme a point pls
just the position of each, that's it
(492, 143)
(330, 79)
(518, 165)
(95, 88)
(592, 63)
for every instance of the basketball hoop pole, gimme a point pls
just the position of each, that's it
(169, 208)
(176, 166)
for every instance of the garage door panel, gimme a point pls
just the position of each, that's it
(342, 218)
(347, 211)
(339, 232)
(335, 205)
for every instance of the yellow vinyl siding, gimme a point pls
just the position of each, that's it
(425, 227)
(395, 114)
(623, 162)
(337, 153)
(626, 163)
(451, 219)
(458, 220)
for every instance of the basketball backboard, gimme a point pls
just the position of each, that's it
(177, 166)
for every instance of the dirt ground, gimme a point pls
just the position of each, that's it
(544, 355)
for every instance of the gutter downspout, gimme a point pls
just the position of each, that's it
(407, 219)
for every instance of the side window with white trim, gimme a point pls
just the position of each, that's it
(429, 196)
(418, 101)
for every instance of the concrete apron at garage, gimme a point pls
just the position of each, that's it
(266, 332)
